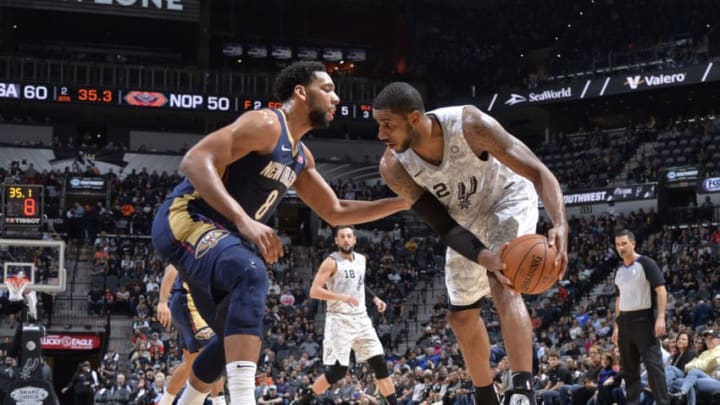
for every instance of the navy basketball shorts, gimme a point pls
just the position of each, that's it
(217, 265)
(193, 330)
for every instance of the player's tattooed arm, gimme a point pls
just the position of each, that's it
(485, 135)
(398, 179)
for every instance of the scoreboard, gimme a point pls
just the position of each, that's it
(141, 98)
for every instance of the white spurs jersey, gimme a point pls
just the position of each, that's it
(471, 188)
(349, 279)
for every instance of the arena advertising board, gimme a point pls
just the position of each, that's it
(709, 185)
(86, 185)
(70, 342)
(602, 86)
(184, 10)
(610, 194)
(676, 174)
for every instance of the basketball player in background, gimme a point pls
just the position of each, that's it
(477, 186)
(340, 281)
(21, 299)
(194, 334)
(213, 223)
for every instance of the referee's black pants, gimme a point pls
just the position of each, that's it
(637, 341)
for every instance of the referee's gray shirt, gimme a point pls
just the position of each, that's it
(636, 284)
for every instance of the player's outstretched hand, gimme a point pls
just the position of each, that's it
(265, 238)
(558, 237)
(350, 300)
(494, 265)
(163, 314)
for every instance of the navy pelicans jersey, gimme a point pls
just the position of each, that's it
(257, 182)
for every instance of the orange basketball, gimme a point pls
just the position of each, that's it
(529, 264)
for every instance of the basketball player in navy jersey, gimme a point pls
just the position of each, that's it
(213, 223)
(177, 306)
(477, 186)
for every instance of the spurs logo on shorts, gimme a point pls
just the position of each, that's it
(328, 351)
(209, 241)
(519, 399)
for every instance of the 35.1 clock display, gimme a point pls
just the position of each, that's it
(22, 204)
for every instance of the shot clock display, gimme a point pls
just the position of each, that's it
(22, 205)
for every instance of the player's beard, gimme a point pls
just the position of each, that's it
(407, 142)
(346, 251)
(318, 117)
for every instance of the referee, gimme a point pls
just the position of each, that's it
(641, 294)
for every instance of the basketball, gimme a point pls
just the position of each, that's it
(529, 264)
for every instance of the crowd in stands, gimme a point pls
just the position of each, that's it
(359, 190)
(551, 39)
(591, 160)
(596, 158)
(687, 141)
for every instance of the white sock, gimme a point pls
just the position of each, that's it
(191, 396)
(241, 382)
(166, 399)
(218, 400)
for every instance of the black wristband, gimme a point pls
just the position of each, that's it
(455, 236)
(464, 242)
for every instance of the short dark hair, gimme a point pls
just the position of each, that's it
(400, 98)
(339, 227)
(625, 232)
(296, 73)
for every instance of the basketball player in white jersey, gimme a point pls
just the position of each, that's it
(341, 282)
(19, 297)
(477, 186)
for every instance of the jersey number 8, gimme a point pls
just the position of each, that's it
(267, 205)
